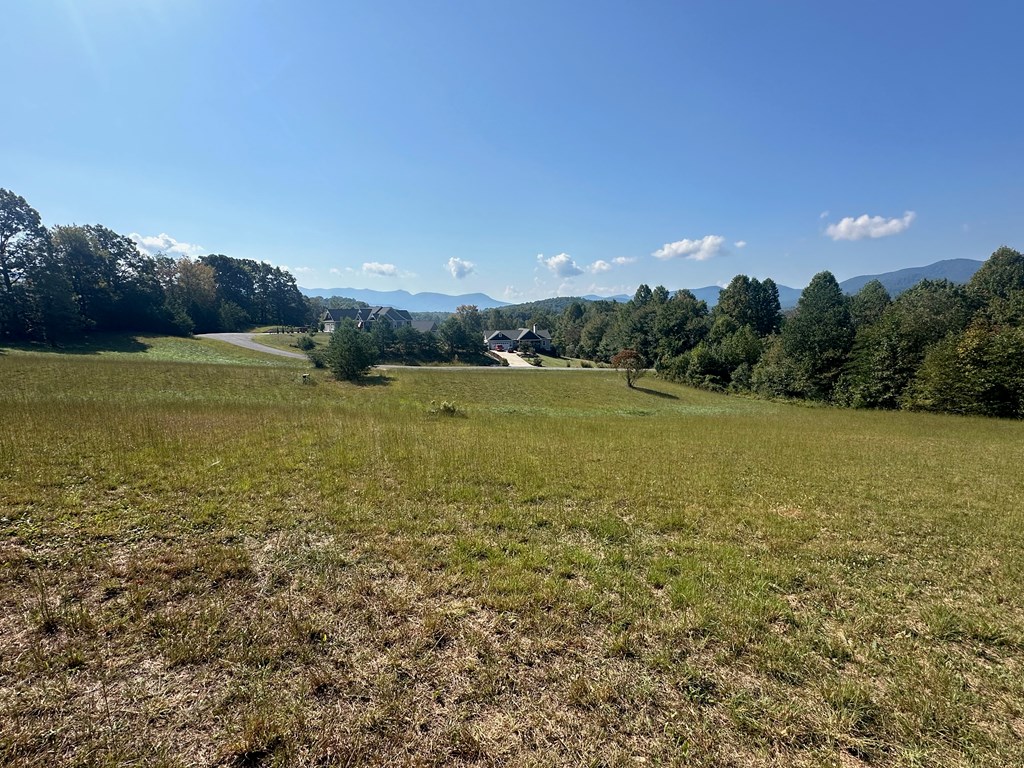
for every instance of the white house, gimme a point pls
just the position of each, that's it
(510, 340)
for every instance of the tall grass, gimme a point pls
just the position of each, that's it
(223, 564)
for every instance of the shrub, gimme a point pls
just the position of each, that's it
(446, 408)
(305, 342)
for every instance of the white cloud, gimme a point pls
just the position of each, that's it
(563, 265)
(512, 293)
(740, 243)
(697, 250)
(599, 266)
(823, 215)
(164, 243)
(623, 260)
(335, 271)
(869, 226)
(302, 270)
(459, 267)
(377, 269)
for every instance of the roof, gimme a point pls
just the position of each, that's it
(337, 315)
(366, 314)
(525, 334)
(424, 326)
(517, 334)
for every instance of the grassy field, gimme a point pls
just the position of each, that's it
(170, 349)
(218, 564)
(286, 341)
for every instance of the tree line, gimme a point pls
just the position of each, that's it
(937, 346)
(61, 282)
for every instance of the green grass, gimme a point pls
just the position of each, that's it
(221, 564)
(156, 348)
(286, 341)
(549, 361)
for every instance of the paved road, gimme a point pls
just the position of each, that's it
(248, 341)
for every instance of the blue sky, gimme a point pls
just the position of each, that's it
(524, 149)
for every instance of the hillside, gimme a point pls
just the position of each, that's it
(955, 270)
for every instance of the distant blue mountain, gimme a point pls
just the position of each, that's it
(414, 302)
(619, 297)
(955, 270)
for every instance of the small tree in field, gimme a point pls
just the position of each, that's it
(632, 363)
(350, 353)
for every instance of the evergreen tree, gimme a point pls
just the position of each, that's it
(350, 352)
(751, 302)
(819, 335)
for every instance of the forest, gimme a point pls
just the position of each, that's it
(60, 283)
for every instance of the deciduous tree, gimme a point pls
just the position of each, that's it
(23, 246)
(632, 364)
(887, 353)
(868, 304)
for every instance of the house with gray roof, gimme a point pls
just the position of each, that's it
(424, 326)
(365, 317)
(510, 340)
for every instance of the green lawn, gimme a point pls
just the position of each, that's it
(287, 341)
(222, 564)
(157, 348)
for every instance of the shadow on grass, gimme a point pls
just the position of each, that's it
(90, 345)
(656, 393)
(375, 380)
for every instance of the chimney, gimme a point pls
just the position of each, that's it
(534, 327)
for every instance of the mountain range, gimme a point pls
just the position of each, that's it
(414, 302)
(955, 270)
